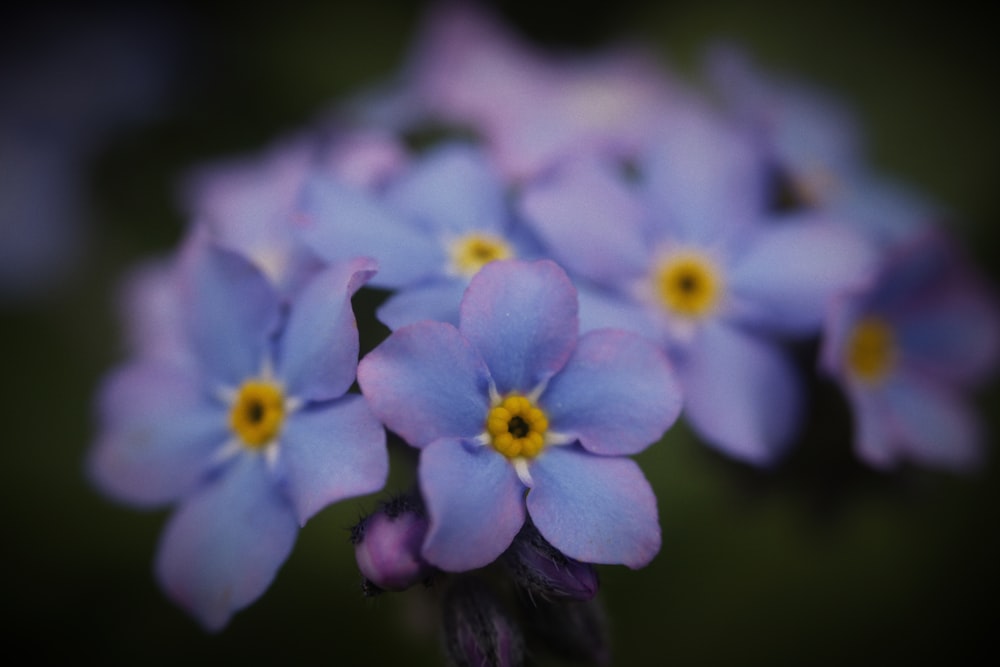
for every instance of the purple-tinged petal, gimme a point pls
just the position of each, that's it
(884, 211)
(331, 452)
(741, 394)
(475, 503)
(231, 313)
(842, 315)
(150, 306)
(591, 222)
(366, 158)
(437, 300)
(158, 434)
(319, 350)
(703, 178)
(790, 271)
(914, 270)
(596, 509)
(426, 381)
(933, 426)
(340, 222)
(522, 317)
(453, 189)
(617, 394)
(600, 309)
(952, 335)
(221, 549)
(247, 204)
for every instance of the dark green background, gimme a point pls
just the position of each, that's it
(819, 561)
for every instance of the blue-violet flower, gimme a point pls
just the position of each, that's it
(514, 401)
(905, 347)
(252, 439)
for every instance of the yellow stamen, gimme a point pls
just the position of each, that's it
(688, 284)
(517, 427)
(257, 413)
(871, 351)
(472, 252)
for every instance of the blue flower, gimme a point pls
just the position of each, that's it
(532, 107)
(814, 147)
(690, 258)
(250, 433)
(512, 400)
(906, 347)
(249, 204)
(431, 229)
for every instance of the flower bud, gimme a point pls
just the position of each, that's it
(477, 630)
(387, 546)
(541, 569)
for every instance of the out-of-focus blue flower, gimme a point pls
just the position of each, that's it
(689, 257)
(250, 205)
(250, 432)
(814, 148)
(431, 229)
(513, 401)
(906, 347)
(530, 107)
(70, 81)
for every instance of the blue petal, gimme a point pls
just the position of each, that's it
(425, 382)
(703, 178)
(332, 452)
(596, 509)
(590, 221)
(340, 222)
(231, 313)
(817, 261)
(953, 335)
(158, 434)
(741, 394)
(933, 425)
(221, 549)
(475, 503)
(319, 349)
(454, 189)
(616, 395)
(600, 309)
(522, 317)
(437, 300)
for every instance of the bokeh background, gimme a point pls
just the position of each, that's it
(819, 561)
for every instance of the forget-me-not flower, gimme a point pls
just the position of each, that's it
(531, 106)
(250, 435)
(515, 414)
(688, 257)
(249, 204)
(814, 149)
(430, 229)
(906, 348)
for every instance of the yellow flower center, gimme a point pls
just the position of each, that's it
(517, 427)
(688, 284)
(257, 413)
(871, 351)
(472, 252)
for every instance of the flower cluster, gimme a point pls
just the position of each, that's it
(577, 252)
